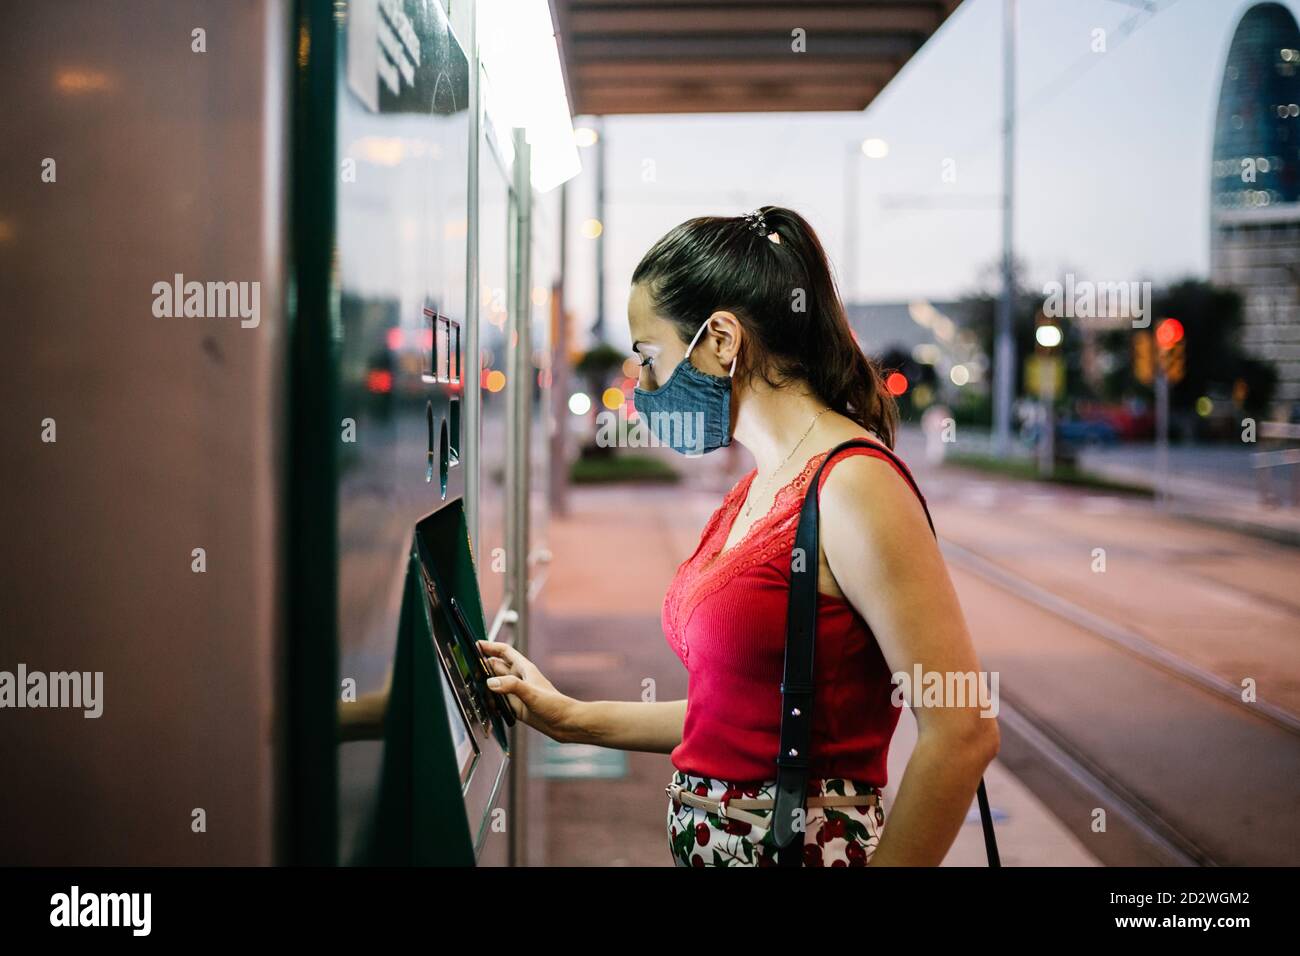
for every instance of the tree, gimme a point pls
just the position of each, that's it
(982, 304)
(1214, 359)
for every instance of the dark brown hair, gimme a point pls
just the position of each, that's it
(785, 298)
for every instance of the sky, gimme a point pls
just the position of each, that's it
(1112, 159)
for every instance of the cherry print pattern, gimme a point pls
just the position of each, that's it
(835, 836)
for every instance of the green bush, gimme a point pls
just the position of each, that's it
(625, 467)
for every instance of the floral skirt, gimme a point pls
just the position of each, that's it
(833, 836)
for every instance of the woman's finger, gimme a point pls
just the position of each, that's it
(504, 651)
(509, 684)
(510, 688)
(516, 706)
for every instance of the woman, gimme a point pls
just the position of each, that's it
(741, 334)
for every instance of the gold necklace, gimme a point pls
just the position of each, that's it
(777, 471)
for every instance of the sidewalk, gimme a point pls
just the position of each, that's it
(1225, 503)
(601, 638)
(1210, 484)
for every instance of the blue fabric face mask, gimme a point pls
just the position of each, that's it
(691, 412)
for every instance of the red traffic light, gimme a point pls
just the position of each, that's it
(896, 382)
(1169, 333)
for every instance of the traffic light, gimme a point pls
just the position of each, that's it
(1044, 376)
(1169, 333)
(1144, 369)
(1173, 357)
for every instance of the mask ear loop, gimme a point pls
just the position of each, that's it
(695, 339)
(730, 374)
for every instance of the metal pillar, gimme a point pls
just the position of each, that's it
(1004, 352)
(1162, 430)
(598, 327)
(518, 469)
(471, 361)
(848, 289)
(559, 464)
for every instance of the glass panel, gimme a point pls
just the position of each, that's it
(545, 266)
(494, 279)
(403, 148)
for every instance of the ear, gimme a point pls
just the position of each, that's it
(724, 335)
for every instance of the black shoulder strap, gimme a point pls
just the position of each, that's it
(792, 761)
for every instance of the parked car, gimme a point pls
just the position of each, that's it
(1084, 432)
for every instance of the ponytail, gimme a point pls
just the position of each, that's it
(828, 356)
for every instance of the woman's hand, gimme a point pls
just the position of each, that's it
(529, 694)
(649, 726)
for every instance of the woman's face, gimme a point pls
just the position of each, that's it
(658, 346)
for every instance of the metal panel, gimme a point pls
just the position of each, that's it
(165, 150)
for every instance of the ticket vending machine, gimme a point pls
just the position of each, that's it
(423, 747)
(446, 736)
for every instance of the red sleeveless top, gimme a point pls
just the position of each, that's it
(725, 615)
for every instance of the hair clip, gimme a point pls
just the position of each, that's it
(756, 221)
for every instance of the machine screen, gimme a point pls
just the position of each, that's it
(460, 738)
(451, 592)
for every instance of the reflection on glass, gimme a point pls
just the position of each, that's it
(403, 146)
(494, 276)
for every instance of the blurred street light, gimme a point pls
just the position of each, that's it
(1048, 336)
(874, 148)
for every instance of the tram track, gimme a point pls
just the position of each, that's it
(1198, 776)
(1153, 828)
(1117, 634)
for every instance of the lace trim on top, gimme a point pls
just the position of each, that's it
(710, 568)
